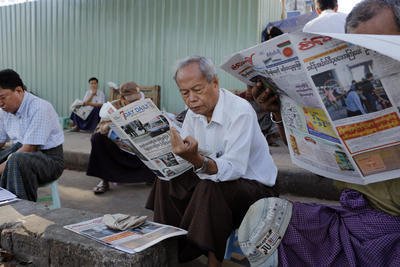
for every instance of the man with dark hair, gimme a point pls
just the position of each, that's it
(232, 164)
(328, 20)
(93, 98)
(31, 124)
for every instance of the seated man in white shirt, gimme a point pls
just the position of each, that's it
(31, 125)
(328, 20)
(233, 167)
(93, 98)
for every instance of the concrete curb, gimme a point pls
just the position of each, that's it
(35, 236)
(291, 179)
(306, 184)
(76, 161)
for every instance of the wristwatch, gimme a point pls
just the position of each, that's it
(203, 167)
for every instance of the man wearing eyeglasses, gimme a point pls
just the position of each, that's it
(31, 125)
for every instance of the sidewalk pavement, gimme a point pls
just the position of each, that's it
(75, 188)
(291, 179)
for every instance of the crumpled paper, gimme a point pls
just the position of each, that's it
(120, 221)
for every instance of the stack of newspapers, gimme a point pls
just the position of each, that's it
(6, 197)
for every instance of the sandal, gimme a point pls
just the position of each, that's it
(101, 187)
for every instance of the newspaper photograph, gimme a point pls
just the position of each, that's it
(340, 102)
(145, 131)
(131, 240)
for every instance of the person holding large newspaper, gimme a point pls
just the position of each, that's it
(107, 160)
(232, 164)
(368, 220)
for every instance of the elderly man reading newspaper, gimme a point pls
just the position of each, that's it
(232, 165)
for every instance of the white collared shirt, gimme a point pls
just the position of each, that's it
(233, 139)
(328, 21)
(99, 97)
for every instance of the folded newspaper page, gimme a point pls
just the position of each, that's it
(340, 101)
(80, 110)
(6, 196)
(131, 240)
(145, 131)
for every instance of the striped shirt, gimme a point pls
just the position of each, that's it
(34, 123)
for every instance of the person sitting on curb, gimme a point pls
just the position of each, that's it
(35, 156)
(363, 231)
(232, 165)
(107, 161)
(94, 98)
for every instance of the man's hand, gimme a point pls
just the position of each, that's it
(186, 148)
(104, 127)
(266, 98)
(2, 167)
(268, 101)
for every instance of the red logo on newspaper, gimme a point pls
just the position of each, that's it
(241, 63)
(287, 52)
(317, 40)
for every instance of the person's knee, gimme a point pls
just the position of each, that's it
(206, 184)
(16, 159)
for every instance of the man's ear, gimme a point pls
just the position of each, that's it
(215, 81)
(319, 11)
(336, 8)
(19, 89)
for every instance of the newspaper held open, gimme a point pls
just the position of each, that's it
(339, 102)
(145, 131)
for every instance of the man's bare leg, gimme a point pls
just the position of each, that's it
(212, 260)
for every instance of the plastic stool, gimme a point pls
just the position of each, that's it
(55, 197)
(232, 246)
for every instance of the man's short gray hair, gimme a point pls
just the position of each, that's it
(206, 66)
(368, 9)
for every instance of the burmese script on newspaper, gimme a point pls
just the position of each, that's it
(340, 99)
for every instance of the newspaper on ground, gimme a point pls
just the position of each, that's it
(340, 100)
(131, 240)
(142, 129)
(6, 197)
(80, 110)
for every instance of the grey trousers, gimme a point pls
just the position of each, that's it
(26, 171)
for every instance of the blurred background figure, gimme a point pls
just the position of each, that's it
(328, 20)
(94, 99)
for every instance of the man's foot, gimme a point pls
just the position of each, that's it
(101, 187)
(74, 129)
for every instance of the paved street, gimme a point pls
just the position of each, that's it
(75, 189)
